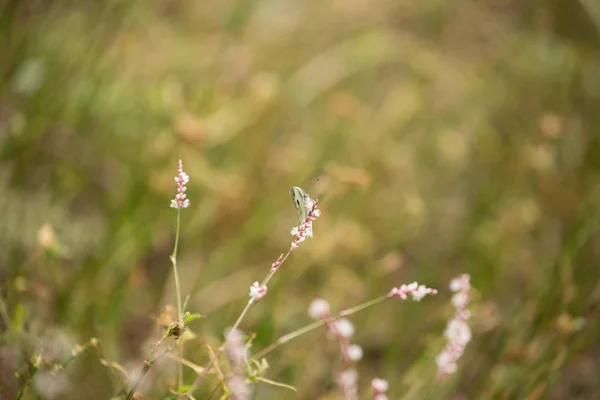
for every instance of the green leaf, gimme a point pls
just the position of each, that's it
(187, 318)
(183, 389)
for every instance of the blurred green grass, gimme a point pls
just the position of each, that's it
(455, 137)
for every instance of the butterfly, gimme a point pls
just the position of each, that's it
(302, 202)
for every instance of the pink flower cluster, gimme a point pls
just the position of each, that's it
(305, 229)
(413, 289)
(341, 330)
(237, 352)
(181, 179)
(457, 331)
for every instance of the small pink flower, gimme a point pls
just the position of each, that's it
(461, 282)
(460, 300)
(458, 331)
(379, 385)
(257, 291)
(354, 352)
(446, 362)
(319, 309)
(349, 377)
(348, 383)
(181, 179)
(343, 328)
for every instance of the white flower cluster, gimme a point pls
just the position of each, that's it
(181, 179)
(237, 352)
(341, 330)
(413, 289)
(457, 331)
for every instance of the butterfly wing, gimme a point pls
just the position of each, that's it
(300, 198)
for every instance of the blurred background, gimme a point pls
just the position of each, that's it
(451, 137)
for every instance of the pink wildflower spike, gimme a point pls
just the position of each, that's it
(181, 179)
(457, 331)
(414, 289)
(341, 330)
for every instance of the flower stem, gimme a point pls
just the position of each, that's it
(292, 335)
(235, 326)
(242, 315)
(220, 349)
(178, 294)
(360, 307)
(286, 338)
(273, 270)
(275, 267)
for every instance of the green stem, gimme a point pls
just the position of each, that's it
(286, 338)
(34, 368)
(149, 361)
(178, 294)
(273, 270)
(352, 310)
(292, 335)
(235, 326)
(220, 349)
